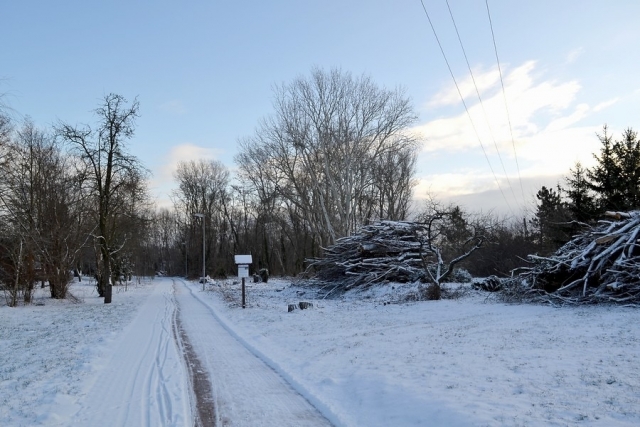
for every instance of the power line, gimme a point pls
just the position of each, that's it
(465, 106)
(486, 117)
(504, 95)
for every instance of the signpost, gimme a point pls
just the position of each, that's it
(243, 262)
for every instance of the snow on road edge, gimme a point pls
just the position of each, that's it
(321, 406)
(466, 362)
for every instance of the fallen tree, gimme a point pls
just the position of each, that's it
(599, 265)
(388, 251)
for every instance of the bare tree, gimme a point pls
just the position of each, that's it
(320, 149)
(450, 239)
(452, 236)
(42, 202)
(393, 183)
(5, 133)
(23, 172)
(115, 178)
(202, 188)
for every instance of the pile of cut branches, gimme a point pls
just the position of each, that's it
(600, 265)
(385, 251)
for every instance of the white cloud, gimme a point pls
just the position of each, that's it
(454, 183)
(560, 123)
(525, 100)
(484, 80)
(605, 104)
(574, 54)
(184, 153)
(547, 134)
(478, 191)
(163, 180)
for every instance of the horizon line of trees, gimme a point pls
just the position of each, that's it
(335, 155)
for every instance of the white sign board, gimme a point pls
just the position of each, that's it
(243, 270)
(243, 259)
(243, 262)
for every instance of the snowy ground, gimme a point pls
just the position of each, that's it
(359, 361)
(46, 350)
(469, 361)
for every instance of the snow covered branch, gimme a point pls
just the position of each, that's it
(387, 251)
(600, 265)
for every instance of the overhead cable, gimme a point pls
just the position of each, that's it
(486, 117)
(506, 106)
(465, 106)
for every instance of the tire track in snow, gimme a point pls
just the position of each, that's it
(200, 384)
(156, 381)
(247, 391)
(143, 382)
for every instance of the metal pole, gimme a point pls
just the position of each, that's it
(243, 298)
(201, 216)
(186, 272)
(203, 257)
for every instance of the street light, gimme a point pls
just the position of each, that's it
(186, 272)
(201, 216)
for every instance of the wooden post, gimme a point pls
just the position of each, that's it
(243, 294)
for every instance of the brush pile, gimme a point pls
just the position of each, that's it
(391, 251)
(385, 251)
(599, 265)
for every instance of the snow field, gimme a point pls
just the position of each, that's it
(467, 362)
(47, 353)
(359, 360)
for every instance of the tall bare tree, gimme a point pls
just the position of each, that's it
(323, 145)
(115, 178)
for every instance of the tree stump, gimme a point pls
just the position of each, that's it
(304, 305)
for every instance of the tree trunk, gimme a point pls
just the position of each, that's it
(104, 283)
(108, 292)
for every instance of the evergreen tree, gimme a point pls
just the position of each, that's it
(627, 157)
(551, 219)
(581, 203)
(616, 176)
(604, 176)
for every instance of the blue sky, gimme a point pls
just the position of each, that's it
(203, 72)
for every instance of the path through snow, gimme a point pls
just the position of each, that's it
(246, 391)
(144, 382)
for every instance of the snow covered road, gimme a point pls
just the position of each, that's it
(145, 381)
(247, 392)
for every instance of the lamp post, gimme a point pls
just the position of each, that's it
(186, 272)
(201, 216)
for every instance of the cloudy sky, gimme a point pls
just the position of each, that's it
(203, 71)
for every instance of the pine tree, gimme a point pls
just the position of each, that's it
(604, 177)
(627, 157)
(581, 203)
(551, 219)
(616, 176)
